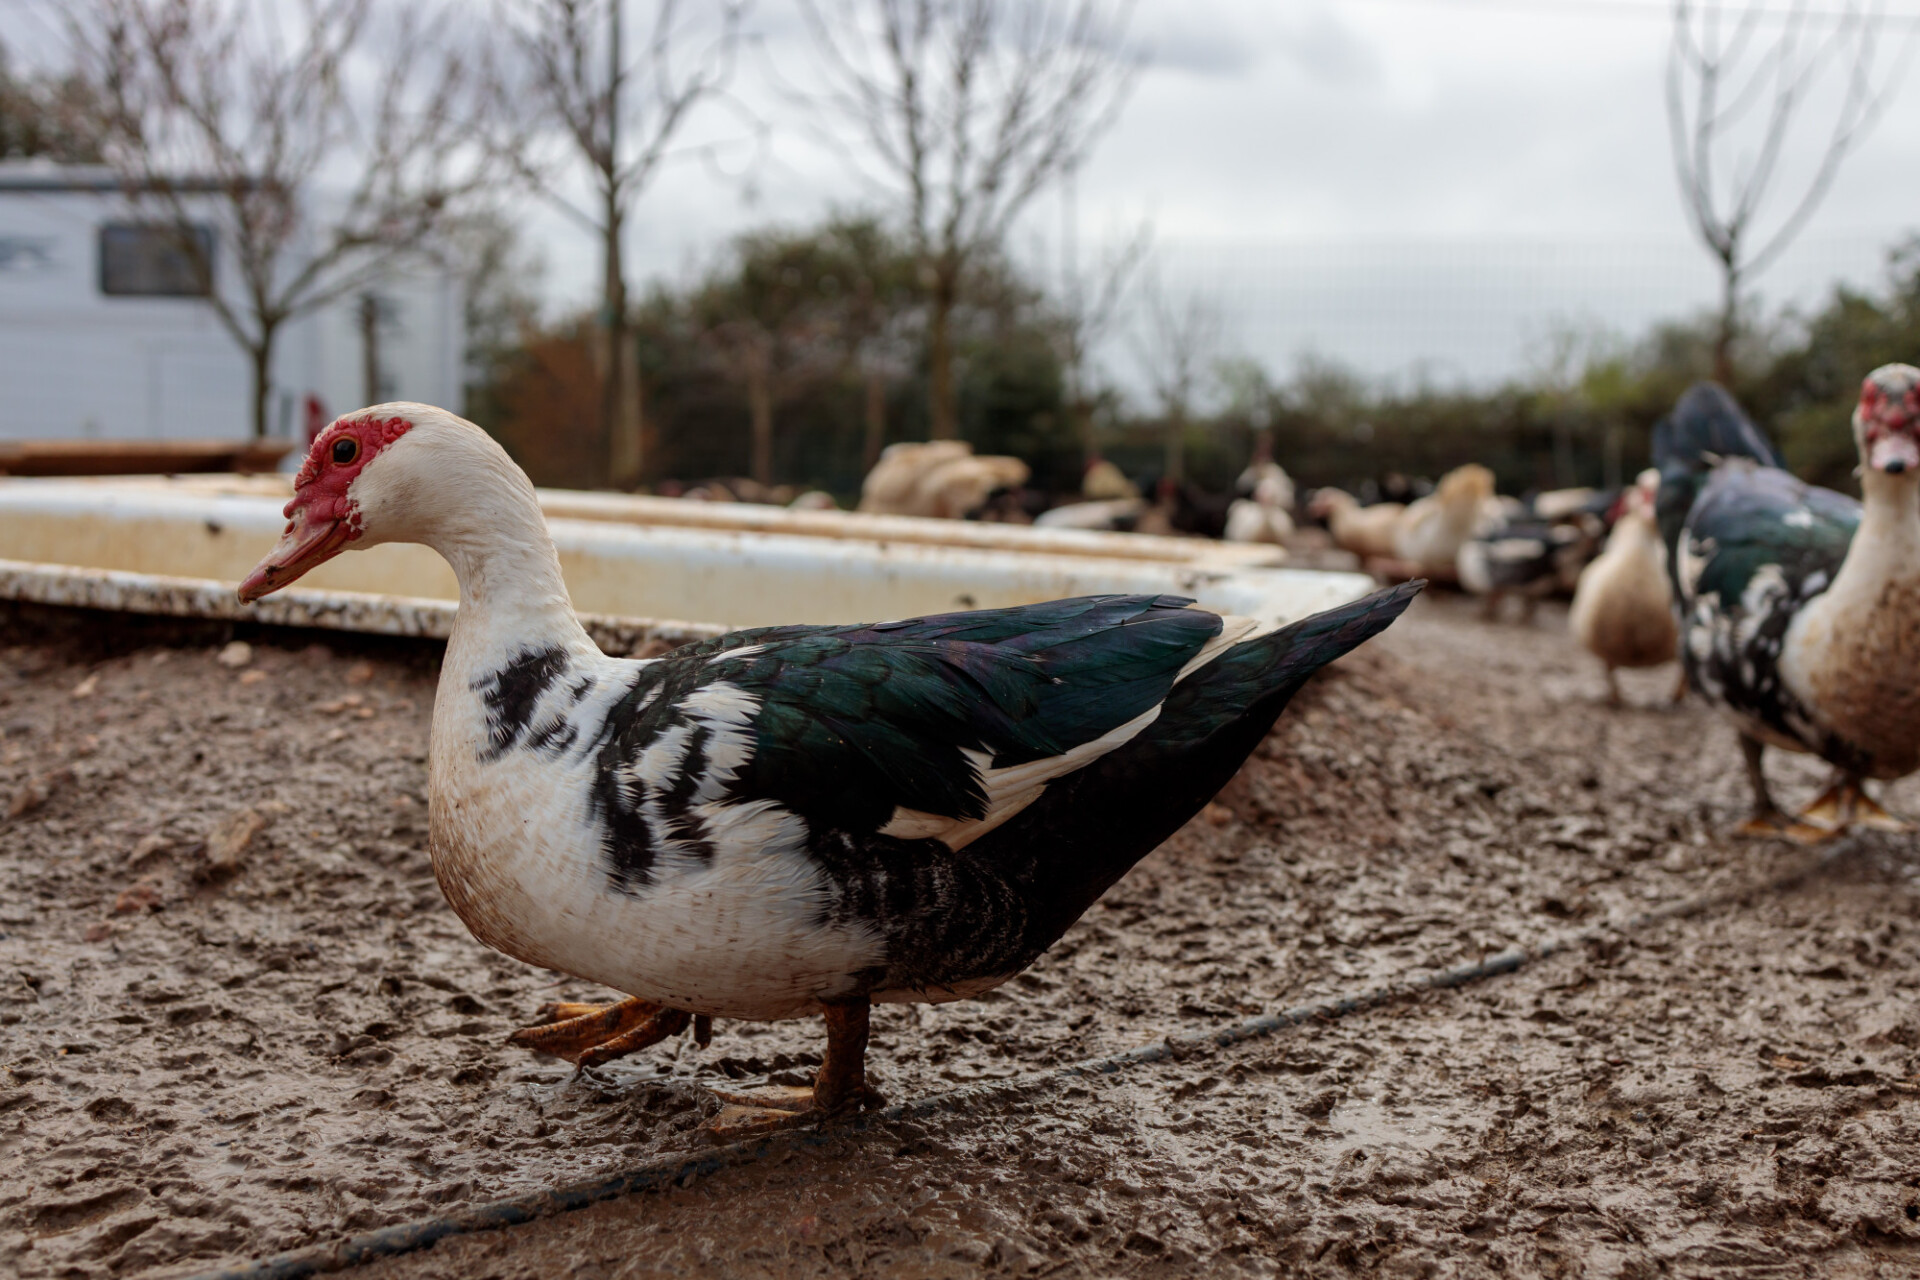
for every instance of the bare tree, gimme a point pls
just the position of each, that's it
(51, 114)
(968, 108)
(794, 311)
(321, 143)
(1176, 352)
(619, 116)
(1739, 80)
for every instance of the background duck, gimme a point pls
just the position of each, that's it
(1799, 607)
(1622, 610)
(784, 821)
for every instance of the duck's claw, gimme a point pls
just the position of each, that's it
(663, 1023)
(1845, 803)
(1778, 826)
(775, 1107)
(841, 1088)
(568, 1030)
(1868, 813)
(1832, 809)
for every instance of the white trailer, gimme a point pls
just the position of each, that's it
(105, 333)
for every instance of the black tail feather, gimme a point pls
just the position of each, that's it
(1116, 811)
(1706, 427)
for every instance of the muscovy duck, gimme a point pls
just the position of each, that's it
(1622, 609)
(1799, 607)
(784, 821)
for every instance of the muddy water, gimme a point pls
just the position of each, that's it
(236, 1018)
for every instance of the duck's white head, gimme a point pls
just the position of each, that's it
(396, 472)
(1642, 497)
(1886, 425)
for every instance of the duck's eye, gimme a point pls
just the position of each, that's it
(345, 450)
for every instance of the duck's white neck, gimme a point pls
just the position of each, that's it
(512, 597)
(1891, 516)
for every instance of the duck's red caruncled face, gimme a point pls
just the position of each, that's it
(1889, 417)
(322, 518)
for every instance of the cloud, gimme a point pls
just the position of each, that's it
(1206, 39)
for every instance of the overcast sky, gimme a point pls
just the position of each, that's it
(1389, 181)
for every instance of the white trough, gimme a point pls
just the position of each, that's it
(179, 546)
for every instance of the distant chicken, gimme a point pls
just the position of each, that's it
(794, 821)
(942, 478)
(1368, 532)
(1430, 532)
(1264, 512)
(1799, 607)
(1623, 608)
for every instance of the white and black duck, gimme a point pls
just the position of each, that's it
(1800, 607)
(784, 821)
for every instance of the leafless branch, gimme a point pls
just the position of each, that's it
(332, 154)
(966, 109)
(618, 114)
(1732, 111)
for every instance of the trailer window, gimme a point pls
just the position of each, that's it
(156, 260)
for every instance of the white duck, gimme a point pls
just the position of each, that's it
(1623, 607)
(786, 821)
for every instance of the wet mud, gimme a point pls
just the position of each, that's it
(237, 1018)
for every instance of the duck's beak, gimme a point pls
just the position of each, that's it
(306, 543)
(1894, 453)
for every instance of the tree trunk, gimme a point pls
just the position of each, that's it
(619, 400)
(370, 349)
(1729, 325)
(1081, 411)
(876, 421)
(943, 409)
(760, 404)
(262, 356)
(1176, 458)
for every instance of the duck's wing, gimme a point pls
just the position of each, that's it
(1757, 546)
(939, 727)
(1755, 526)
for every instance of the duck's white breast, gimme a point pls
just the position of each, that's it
(740, 927)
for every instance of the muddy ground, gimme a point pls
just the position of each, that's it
(237, 1018)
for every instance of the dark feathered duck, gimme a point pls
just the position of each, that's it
(784, 821)
(1799, 607)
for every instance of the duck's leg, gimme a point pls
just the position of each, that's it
(1767, 818)
(1613, 687)
(569, 1029)
(840, 1087)
(842, 1082)
(1680, 686)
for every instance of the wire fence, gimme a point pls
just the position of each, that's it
(1472, 312)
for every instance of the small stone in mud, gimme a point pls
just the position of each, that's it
(227, 845)
(147, 849)
(360, 673)
(35, 792)
(86, 688)
(142, 896)
(1016, 1257)
(235, 654)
